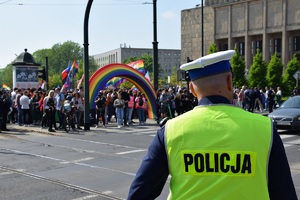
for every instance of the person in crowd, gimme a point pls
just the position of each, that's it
(140, 101)
(24, 103)
(266, 97)
(178, 104)
(271, 99)
(100, 108)
(5, 105)
(216, 150)
(50, 111)
(78, 103)
(18, 107)
(125, 97)
(14, 112)
(278, 97)
(35, 108)
(294, 92)
(130, 106)
(165, 103)
(119, 104)
(42, 103)
(110, 106)
(257, 99)
(241, 97)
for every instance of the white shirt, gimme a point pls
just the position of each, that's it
(24, 102)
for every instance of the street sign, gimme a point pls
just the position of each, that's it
(297, 75)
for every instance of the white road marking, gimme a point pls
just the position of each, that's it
(86, 197)
(286, 136)
(103, 143)
(61, 160)
(107, 192)
(5, 173)
(77, 161)
(133, 151)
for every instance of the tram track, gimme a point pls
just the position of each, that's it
(60, 183)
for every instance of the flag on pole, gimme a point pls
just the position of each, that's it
(80, 81)
(4, 86)
(67, 84)
(74, 69)
(42, 84)
(65, 73)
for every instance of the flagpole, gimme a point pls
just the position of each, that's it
(86, 67)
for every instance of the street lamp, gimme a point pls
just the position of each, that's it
(86, 66)
(155, 46)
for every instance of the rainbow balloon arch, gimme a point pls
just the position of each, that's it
(99, 79)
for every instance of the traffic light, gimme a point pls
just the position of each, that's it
(187, 76)
(42, 73)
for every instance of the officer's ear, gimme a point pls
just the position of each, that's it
(192, 89)
(229, 82)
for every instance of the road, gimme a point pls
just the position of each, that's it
(98, 164)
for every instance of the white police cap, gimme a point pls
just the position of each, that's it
(209, 65)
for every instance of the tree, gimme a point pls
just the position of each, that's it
(238, 69)
(59, 57)
(288, 80)
(258, 71)
(212, 48)
(6, 76)
(148, 61)
(274, 72)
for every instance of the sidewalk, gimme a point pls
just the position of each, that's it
(16, 128)
(113, 124)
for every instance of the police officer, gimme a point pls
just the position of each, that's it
(216, 150)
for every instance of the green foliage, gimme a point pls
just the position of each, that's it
(238, 69)
(6, 76)
(288, 81)
(148, 61)
(59, 57)
(173, 77)
(258, 71)
(274, 72)
(126, 84)
(212, 48)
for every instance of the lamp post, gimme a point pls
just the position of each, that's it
(155, 48)
(86, 66)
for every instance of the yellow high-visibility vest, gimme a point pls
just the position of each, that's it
(218, 152)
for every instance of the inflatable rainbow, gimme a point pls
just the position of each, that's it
(99, 79)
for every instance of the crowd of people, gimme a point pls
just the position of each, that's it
(260, 99)
(37, 107)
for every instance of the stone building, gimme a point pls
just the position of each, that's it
(167, 58)
(268, 25)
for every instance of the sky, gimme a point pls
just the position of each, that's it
(39, 24)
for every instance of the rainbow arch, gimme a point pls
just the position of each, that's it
(99, 79)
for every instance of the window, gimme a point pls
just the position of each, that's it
(259, 45)
(297, 43)
(277, 45)
(242, 48)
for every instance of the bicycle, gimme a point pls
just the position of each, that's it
(69, 121)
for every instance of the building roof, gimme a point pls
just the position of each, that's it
(25, 58)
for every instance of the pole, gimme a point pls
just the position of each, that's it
(47, 74)
(155, 50)
(202, 24)
(86, 66)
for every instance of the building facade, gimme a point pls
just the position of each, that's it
(247, 25)
(167, 58)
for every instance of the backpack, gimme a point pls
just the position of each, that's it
(141, 102)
